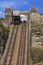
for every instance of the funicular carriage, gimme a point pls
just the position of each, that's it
(16, 17)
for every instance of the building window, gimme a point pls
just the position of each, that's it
(7, 13)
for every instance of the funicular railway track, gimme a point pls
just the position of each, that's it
(16, 48)
(9, 46)
(21, 52)
(17, 51)
(10, 51)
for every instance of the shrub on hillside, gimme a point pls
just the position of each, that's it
(4, 31)
(36, 54)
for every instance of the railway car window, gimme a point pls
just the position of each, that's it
(16, 18)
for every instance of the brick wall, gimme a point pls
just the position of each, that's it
(33, 10)
(8, 15)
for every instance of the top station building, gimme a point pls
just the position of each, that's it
(9, 13)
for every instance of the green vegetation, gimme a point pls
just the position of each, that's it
(37, 55)
(36, 27)
(41, 33)
(4, 31)
(42, 44)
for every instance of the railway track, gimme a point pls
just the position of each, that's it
(21, 52)
(26, 46)
(9, 46)
(12, 43)
(17, 47)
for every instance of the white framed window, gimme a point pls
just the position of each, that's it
(7, 13)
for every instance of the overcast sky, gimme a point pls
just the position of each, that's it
(22, 5)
